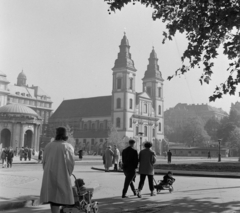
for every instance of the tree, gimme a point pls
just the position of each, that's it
(211, 127)
(234, 140)
(194, 133)
(71, 139)
(208, 24)
(114, 138)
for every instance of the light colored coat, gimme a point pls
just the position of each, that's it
(58, 165)
(116, 156)
(108, 157)
(147, 158)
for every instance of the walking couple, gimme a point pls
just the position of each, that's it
(130, 160)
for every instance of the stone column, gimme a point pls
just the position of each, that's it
(21, 138)
(37, 137)
(12, 144)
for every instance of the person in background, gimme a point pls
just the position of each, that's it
(116, 157)
(29, 153)
(58, 165)
(147, 159)
(3, 157)
(40, 155)
(108, 158)
(10, 157)
(129, 165)
(169, 154)
(80, 154)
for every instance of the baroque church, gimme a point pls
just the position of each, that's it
(131, 114)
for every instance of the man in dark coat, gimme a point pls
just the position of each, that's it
(80, 154)
(10, 158)
(169, 154)
(130, 163)
(29, 153)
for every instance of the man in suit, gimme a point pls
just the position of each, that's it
(130, 163)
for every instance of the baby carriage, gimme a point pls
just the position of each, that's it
(162, 185)
(83, 199)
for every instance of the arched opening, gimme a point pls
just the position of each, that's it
(5, 138)
(28, 139)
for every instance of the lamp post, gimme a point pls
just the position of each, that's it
(140, 135)
(219, 152)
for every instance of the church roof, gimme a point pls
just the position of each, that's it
(20, 109)
(124, 59)
(84, 107)
(153, 67)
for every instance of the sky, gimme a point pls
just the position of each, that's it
(68, 48)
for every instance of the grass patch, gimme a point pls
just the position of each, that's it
(208, 167)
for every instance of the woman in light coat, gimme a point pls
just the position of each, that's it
(147, 159)
(58, 165)
(116, 157)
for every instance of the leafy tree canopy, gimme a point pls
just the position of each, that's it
(207, 24)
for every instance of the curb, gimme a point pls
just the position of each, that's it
(31, 201)
(19, 204)
(185, 173)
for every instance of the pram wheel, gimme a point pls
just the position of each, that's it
(170, 189)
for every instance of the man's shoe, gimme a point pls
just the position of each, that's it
(153, 193)
(135, 192)
(125, 196)
(139, 194)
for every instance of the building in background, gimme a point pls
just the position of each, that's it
(126, 111)
(32, 97)
(20, 126)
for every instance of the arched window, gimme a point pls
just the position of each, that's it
(131, 103)
(131, 83)
(159, 109)
(149, 91)
(118, 122)
(119, 83)
(136, 130)
(145, 108)
(145, 130)
(93, 126)
(130, 122)
(159, 127)
(118, 103)
(159, 92)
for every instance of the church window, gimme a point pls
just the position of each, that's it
(145, 130)
(159, 92)
(145, 108)
(131, 83)
(137, 130)
(153, 132)
(159, 127)
(130, 122)
(149, 91)
(159, 109)
(118, 122)
(131, 103)
(118, 103)
(119, 83)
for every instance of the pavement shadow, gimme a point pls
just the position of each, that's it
(185, 204)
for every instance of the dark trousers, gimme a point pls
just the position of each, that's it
(115, 166)
(142, 180)
(128, 181)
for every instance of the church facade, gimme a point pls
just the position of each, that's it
(130, 113)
